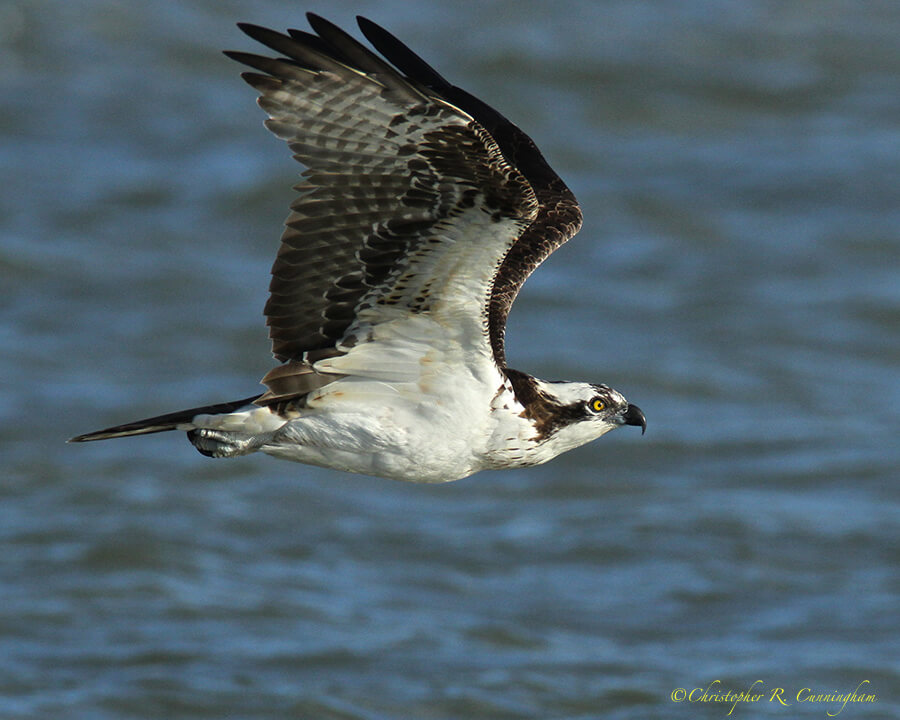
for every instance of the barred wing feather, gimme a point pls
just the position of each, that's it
(402, 191)
(418, 198)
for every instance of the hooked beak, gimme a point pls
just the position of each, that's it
(634, 416)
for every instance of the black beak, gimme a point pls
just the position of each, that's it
(634, 416)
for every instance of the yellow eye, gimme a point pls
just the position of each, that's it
(597, 405)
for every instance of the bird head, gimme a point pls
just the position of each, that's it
(567, 415)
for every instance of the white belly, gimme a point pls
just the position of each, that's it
(413, 405)
(391, 430)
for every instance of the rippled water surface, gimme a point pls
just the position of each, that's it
(737, 277)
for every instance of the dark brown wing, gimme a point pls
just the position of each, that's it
(407, 206)
(559, 216)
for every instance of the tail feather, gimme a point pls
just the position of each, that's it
(161, 423)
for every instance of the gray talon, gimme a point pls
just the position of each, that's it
(222, 444)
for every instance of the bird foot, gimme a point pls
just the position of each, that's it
(223, 444)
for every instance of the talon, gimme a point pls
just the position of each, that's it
(222, 444)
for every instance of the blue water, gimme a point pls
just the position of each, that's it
(737, 277)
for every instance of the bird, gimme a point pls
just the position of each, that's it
(419, 216)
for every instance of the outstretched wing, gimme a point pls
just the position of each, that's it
(417, 197)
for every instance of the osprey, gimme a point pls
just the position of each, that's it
(421, 213)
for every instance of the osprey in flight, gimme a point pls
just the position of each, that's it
(421, 213)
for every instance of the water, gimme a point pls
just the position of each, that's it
(736, 277)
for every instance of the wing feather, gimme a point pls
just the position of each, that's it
(417, 198)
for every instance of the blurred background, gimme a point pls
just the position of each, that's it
(738, 164)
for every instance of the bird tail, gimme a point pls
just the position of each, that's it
(161, 423)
